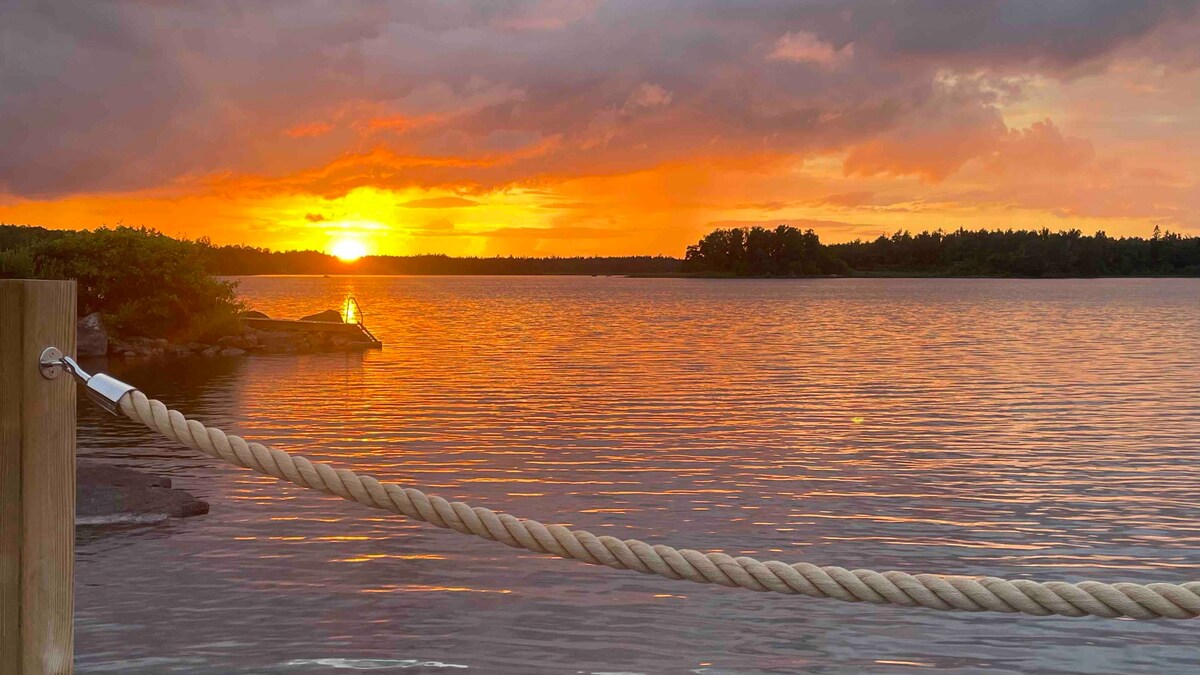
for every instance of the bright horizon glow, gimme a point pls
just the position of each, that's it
(348, 250)
(855, 122)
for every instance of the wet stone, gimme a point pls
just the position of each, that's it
(106, 494)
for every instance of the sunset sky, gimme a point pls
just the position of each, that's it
(576, 127)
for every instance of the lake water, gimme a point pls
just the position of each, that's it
(1040, 429)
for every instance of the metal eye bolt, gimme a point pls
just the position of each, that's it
(104, 390)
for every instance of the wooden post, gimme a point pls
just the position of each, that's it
(37, 479)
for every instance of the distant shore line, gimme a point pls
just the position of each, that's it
(901, 275)
(719, 276)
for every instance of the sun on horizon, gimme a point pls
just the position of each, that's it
(348, 250)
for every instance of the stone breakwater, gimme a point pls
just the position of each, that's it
(94, 341)
(249, 341)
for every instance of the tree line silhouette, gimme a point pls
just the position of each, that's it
(756, 251)
(783, 251)
(22, 247)
(789, 252)
(236, 260)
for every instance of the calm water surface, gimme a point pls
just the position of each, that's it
(1041, 429)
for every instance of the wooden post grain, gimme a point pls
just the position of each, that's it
(37, 479)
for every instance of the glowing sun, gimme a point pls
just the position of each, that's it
(348, 250)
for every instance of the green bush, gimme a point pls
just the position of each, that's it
(17, 263)
(143, 282)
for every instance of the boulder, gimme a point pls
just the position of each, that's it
(328, 316)
(232, 351)
(90, 337)
(278, 341)
(107, 494)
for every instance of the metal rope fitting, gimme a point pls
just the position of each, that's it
(104, 390)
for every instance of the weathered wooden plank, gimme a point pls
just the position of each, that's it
(37, 474)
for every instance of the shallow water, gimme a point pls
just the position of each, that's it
(1040, 429)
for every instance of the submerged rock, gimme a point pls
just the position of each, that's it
(106, 494)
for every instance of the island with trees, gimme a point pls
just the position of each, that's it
(789, 252)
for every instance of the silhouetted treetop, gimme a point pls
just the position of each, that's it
(789, 252)
(756, 251)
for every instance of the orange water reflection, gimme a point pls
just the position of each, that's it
(1026, 429)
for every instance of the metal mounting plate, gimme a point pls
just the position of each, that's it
(50, 363)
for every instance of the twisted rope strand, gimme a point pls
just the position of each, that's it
(934, 591)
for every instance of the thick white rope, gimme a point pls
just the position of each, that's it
(935, 591)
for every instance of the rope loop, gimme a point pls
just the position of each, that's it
(932, 591)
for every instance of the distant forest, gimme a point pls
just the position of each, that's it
(234, 260)
(19, 246)
(784, 251)
(788, 252)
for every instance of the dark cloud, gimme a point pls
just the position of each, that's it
(1056, 35)
(322, 97)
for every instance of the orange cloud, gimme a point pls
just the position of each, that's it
(440, 203)
(802, 47)
(1041, 148)
(310, 130)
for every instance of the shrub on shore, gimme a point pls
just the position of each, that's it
(142, 282)
(17, 263)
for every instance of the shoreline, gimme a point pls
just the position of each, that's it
(891, 275)
(696, 275)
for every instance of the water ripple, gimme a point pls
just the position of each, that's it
(1040, 429)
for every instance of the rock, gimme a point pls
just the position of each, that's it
(129, 353)
(160, 343)
(278, 341)
(328, 316)
(197, 346)
(251, 314)
(232, 341)
(232, 351)
(90, 337)
(107, 494)
(211, 351)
